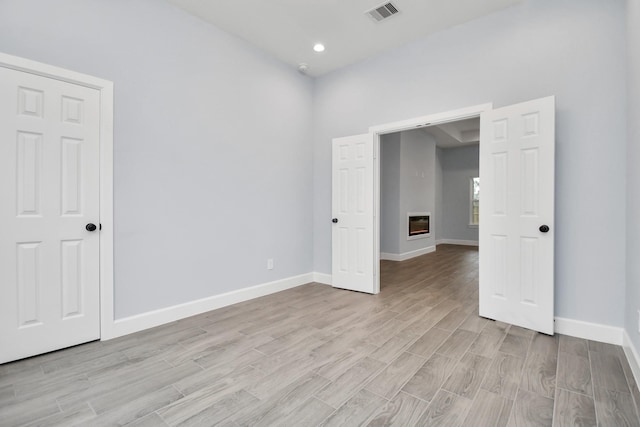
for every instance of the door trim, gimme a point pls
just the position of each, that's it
(409, 124)
(105, 88)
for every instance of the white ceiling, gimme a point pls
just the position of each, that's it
(455, 134)
(289, 28)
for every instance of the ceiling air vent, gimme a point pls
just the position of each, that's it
(382, 12)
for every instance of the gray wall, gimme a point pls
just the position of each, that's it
(390, 193)
(574, 49)
(438, 211)
(417, 184)
(210, 134)
(633, 172)
(407, 184)
(458, 166)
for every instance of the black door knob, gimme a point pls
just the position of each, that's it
(334, 220)
(544, 228)
(91, 227)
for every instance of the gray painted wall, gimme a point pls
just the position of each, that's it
(459, 165)
(407, 184)
(439, 202)
(417, 184)
(211, 135)
(633, 172)
(390, 193)
(574, 49)
(443, 190)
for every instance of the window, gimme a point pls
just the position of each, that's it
(474, 218)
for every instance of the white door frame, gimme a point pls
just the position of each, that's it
(418, 122)
(105, 88)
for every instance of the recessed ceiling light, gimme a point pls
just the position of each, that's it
(318, 47)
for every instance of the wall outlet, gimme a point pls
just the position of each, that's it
(270, 264)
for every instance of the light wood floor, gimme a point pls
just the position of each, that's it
(416, 354)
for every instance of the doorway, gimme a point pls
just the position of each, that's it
(427, 182)
(517, 152)
(418, 124)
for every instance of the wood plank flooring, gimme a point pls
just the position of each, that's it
(417, 354)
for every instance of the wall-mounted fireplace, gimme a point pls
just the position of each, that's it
(419, 225)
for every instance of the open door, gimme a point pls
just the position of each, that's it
(517, 151)
(49, 214)
(352, 212)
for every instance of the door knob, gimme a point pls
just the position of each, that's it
(544, 228)
(334, 220)
(91, 227)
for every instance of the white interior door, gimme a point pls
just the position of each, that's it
(49, 192)
(517, 145)
(352, 205)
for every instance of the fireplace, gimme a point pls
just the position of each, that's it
(419, 225)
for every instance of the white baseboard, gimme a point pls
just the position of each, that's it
(589, 331)
(323, 278)
(406, 255)
(457, 242)
(632, 356)
(139, 322)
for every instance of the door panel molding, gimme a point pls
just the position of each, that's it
(517, 157)
(32, 106)
(352, 207)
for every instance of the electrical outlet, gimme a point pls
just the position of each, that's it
(270, 264)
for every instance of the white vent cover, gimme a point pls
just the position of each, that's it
(382, 12)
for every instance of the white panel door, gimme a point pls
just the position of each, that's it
(49, 192)
(517, 150)
(352, 205)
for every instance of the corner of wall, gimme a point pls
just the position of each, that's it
(632, 356)
(632, 247)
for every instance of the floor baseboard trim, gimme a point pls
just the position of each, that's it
(632, 356)
(406, 255)
(589, 331)
(139, 322)
(457, 242)
(323, 278)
